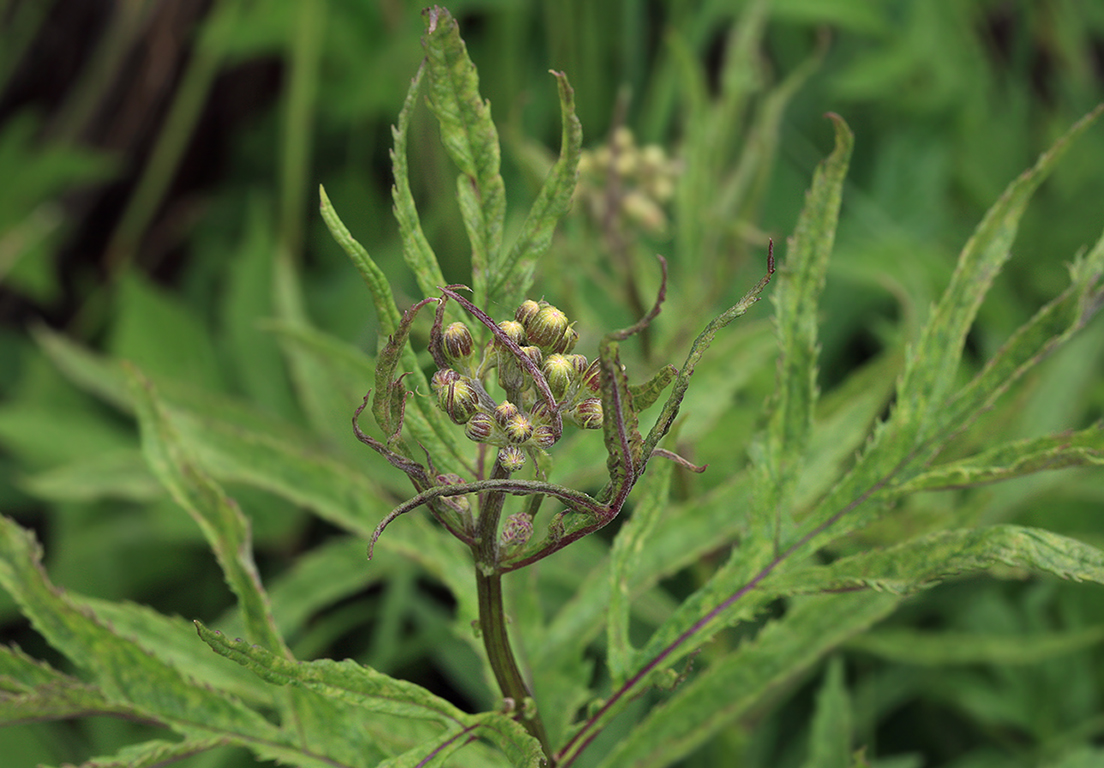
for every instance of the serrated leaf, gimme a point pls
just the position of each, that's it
(921, 562)
(514, 273)
(1074, 449)
(218, 516)
(128, 675)
(778, 462)
(710, 702)
(830, 739)
(352, 683)
(152, 754)
(471, 140)
(926, 413)
(417, 252)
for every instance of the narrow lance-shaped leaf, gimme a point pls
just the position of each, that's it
(471, 140)
(830, 740)
(932, 363)
(710, 702)
(779, 455)
(417, 252)
(427, 424)
(924, 561)
(128, 675)
(218, 516)
(630, 540)
(1022, 457)
(922, 421)
(349, 682)
(514, 273)
(386, 309)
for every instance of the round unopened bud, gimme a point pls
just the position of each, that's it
(518, 429)
(527, 311)
(587, 414)
(458, 399)
(480, 428)
(458, 342)
(543, 436)
(559, 373)
(540, 412)
(514, 330)
(459, 503)
(516, 530)
(442, 378)
(548, 327)
(511, 458)
(568, 341)
(504, 412)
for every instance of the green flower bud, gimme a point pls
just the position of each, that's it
(548, 327)
(442, 378)
(540, 413)
(567, 342)
(513, 329)
(459, 503)
(518, 429)
(480, 428)
(516, 530)
(526, 312)
(534, 354)
(587, 414)
(543, 436)
(458, 342)
(504, 412)
(511, 458)
(458, 399)
(559, 373)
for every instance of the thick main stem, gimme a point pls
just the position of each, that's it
(492, 615)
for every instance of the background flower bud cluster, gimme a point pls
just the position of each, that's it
(631, 182)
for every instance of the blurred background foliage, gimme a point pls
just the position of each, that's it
(160, 165)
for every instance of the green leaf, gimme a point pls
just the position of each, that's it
(514, 273)
(651, 502)
(926, 415)
(222, 522)
(779, 460)
(932, 649)
(386, 309)
(129, 677)
(160, 334)
(713, 700)
(1022, 457)
(471, 140)
(117, 474)
(417, 252)
(919, 563)
(152, 754)
(830, 740)
(349, 682)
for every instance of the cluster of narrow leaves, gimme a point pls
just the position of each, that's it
(792, 504)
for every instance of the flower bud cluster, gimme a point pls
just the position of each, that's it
(525, 421)
(645, 175)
